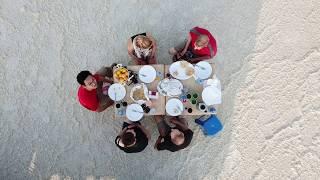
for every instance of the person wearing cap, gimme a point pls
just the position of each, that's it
(142, 49)
(200, 45)
(92, 92)
(172, 138)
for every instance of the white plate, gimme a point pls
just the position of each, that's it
(176, 67)
(170, 87)
(145, 89)
(174, 107)
(134, 112)
(211, 95)
(117, 92)
(147, 74)
(203, 70)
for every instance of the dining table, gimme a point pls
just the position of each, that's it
(192, 86)
(157, 106)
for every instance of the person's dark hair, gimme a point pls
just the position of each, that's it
(82, 76)
(127, 138)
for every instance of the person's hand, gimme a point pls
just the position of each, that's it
(155, 147)
(131, 126)
(173, 120)
(142, 62)
(109, 80)
(181, 53)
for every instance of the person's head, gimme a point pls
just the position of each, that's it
(86, 80)
(143, 42)
(201, 42)
(128, 139)
(177, 137)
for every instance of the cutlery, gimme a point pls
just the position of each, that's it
(115, 94)
(133, 110)
(179, 108)
(201, 67)
(143, 75)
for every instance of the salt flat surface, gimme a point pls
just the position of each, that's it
(268, 61)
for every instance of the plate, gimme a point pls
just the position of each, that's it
(174, 107)
(147, 74)
(170, 87)
(211, 95)
(212, 82)
(145, 90)
(134, 112)
(121, 74)
(117, 92)
(179, 72)
(203, 70)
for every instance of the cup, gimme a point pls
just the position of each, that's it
(212, 110)
(195, 95)
(189, 110)
(145, 108)
(194, 101)
(118, 105)
(189, 96)
(202, 107)
(124, 104)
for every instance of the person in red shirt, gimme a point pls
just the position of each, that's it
(200, 45)
(92, 91)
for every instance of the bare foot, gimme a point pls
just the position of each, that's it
(173, 51)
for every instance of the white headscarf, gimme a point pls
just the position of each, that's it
(140, 52)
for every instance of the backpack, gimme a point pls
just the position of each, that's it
(210, 126)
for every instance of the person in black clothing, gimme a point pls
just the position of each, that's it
(172, 139)
(133, 138)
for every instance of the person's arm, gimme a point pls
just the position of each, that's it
(158, 142)
(145, 131)
(104, 79)
(198, 59)
(179, 124)
(123, 131)
(116, 141)
(102, 106)
(130, 53)
(107, 80)
(180, 54)
(154, 45)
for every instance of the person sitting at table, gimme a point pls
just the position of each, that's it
(200, 46)
(172, 139)
(133, 138)
(92, 93)
(142, 49)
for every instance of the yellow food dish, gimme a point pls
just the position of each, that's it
(138, 94)
(121, 74)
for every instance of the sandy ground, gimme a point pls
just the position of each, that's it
(268, 62)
